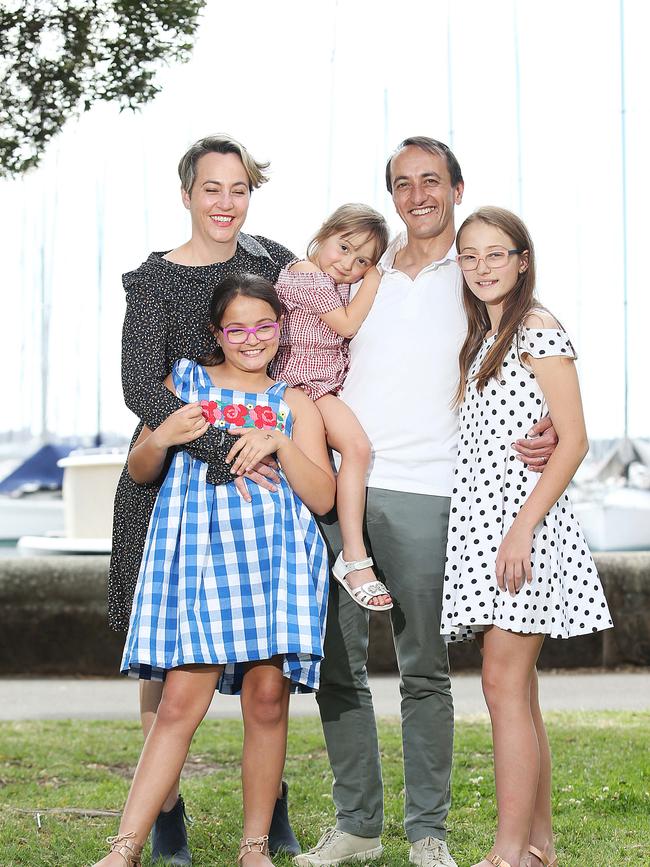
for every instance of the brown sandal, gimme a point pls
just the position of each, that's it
(253, 844)
(125, 845)
(497, 860)
(543, 857)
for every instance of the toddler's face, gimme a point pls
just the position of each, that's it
(346, 259)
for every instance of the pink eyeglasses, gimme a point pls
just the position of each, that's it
(237, 334)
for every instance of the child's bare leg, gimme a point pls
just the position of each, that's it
(150, 694)
(265, 708)
(508, 666)
(345, 434)
(186, 698)
(541, 829)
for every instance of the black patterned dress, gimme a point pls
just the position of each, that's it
(166, 319)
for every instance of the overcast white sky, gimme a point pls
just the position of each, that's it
(325, 90)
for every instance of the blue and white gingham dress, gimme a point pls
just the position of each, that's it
(223, 581)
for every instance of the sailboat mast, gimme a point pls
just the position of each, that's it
(99, 312)
(450, 93)
(520, 182)
(626, 418)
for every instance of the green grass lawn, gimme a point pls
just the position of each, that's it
(601, 789)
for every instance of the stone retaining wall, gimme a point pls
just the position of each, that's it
(53, 613)
(53, 616)
(626, 579)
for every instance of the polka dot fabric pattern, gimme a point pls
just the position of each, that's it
(565, 597)
(166, 319)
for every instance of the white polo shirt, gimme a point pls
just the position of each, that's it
(404, 372)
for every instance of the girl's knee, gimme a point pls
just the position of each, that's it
(500, 690)
(266, 703)
(176, 711)
(357, 449)
(492, 687)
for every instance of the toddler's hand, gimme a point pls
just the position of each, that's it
(183, 426)
(253, 445)
(513, 559)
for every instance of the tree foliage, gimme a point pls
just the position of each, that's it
(58, 58)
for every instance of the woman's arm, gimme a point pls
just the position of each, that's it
(304, 458)
(144, 366)
(558, 379)
(147, 457)
(145, 460)
(346, 321)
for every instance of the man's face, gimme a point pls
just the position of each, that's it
(423, 194)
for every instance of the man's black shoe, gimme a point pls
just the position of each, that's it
(281, 836)
(169, 837)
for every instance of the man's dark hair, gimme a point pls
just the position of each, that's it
(432, 146)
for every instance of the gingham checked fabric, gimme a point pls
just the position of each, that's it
(311, 355)
(225, 581)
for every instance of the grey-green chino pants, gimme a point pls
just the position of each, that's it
(407, 534)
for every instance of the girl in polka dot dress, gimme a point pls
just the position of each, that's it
(319, 320)
(518, 567)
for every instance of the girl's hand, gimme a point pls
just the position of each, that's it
(513, 559)
(253, 445)
(183, 426)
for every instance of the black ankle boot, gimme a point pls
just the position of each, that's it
(169, 837)
(281, 836)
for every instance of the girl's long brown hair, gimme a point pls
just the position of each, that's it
(516, 306)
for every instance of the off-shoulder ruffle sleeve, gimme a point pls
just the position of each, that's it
(545, 342)
(315, 292)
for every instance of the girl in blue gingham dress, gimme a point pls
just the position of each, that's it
(223, 580)
(232, 592)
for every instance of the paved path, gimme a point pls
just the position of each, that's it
(53, 698)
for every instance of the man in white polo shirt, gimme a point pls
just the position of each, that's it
(402, 378)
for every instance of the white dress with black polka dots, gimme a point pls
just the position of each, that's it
(490, 486)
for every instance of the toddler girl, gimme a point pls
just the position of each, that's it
(319, 320)
(518, 567)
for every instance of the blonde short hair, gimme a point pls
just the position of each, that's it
(353, 219)
(220, 144)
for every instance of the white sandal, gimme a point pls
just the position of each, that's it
(365, 592)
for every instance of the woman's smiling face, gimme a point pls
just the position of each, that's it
(219, 199)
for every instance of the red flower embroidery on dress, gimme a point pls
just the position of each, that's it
(210, 410)
(264, 417)
(235, 414)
